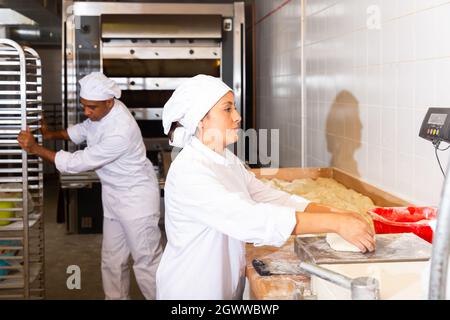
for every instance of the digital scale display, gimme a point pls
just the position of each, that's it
(436, 125)
(437, 119)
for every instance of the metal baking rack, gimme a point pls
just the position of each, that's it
(21, 175)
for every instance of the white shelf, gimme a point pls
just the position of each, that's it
(35, 269)
(18, 225)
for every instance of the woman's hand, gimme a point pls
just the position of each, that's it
(355, 229)
(26, 141)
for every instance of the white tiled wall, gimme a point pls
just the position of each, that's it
(278, 75)
(391, 76)
(395, 73)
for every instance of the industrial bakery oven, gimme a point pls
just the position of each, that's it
(148, 49)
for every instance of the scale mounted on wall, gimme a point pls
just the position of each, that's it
(436, 125)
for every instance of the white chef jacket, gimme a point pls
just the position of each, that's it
(213, 205)
(116, 151)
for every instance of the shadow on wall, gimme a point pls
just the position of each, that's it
(343, 129)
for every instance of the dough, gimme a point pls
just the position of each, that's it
(327, 191)
(338, 243)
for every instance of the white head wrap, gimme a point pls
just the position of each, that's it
(190, 102)
(97, 87)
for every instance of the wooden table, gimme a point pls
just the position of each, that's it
(284, 287)
(275, 287)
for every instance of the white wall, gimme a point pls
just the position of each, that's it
(391, 75)
(367, 90)
(278, 87)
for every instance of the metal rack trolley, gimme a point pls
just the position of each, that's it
(21, 175)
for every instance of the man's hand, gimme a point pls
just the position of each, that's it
(46, 133)
(26, 141)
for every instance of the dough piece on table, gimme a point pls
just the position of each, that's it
(338, 243)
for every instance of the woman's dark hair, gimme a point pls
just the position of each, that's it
(172, 129)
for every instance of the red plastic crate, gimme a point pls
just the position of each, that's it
(404, 220)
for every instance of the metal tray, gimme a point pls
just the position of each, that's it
(398, 247)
